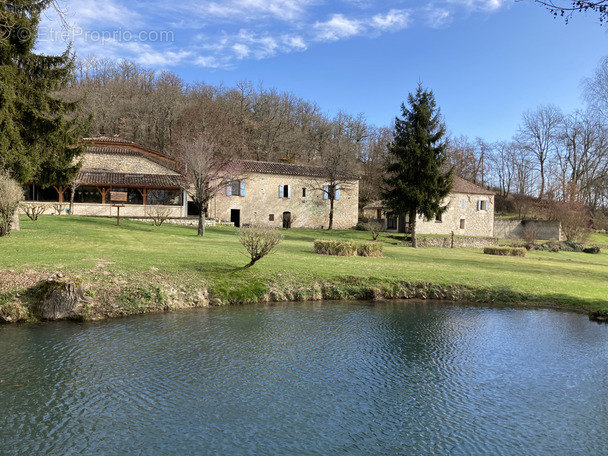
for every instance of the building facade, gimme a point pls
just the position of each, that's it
(288, 196)
(151, 181)
(470, 212)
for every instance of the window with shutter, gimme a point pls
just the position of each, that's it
(337, 193)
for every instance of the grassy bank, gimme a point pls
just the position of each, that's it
(139, 267)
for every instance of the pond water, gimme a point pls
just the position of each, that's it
(305, 379)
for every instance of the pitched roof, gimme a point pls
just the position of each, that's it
(118, 146)
(464, 186)
(100, 178)
(460, 185)
(289, 169)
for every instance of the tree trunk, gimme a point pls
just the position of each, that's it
(413, 229)
(15, 223)
(331, 214)
(201, 221)
(72, 200)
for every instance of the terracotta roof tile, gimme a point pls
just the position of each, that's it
(288, 169)
(107, 179)
(460, 186)
(464, 186)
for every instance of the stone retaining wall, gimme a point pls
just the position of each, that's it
(510, 229)
(458, 242)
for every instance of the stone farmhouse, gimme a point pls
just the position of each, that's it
(286, 195)
(274, 194)
(470, 213)
(149, 178)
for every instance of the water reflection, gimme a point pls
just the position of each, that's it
(332, 378)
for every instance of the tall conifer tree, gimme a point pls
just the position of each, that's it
(38, 130)
(416, 179)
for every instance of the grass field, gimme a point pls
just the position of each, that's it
(141, 255)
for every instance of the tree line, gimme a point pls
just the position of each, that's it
(552, 155)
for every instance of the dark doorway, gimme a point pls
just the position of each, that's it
(402, 224)
(286, 219)
(193, 208)
(235, 217)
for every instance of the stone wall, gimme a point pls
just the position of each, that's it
(119, 163)
(107, 210)
(463, 217)
(262, 204)
(458, 242)
(515, 229)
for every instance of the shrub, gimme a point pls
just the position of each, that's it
(528, 235)
(505, 251)
(348, 248)
(33, 210)
(10, 195)
(259, 241)
(369, 249)
(158, 214)
(594, 250)
(375, 227)
(336, 248)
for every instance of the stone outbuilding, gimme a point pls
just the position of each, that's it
(470, 212)
(151, 181)
(286, 195)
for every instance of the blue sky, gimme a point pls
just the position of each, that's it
(487, 61)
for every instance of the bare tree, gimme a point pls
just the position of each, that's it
(259, 241)
(566, 8)
(207, 172)
(336, 156)
(539, 136)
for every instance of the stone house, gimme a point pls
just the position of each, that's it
(151, 181)
(286, 195)
(470, 212)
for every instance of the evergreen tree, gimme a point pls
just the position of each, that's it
(39, 131)
(416, 180)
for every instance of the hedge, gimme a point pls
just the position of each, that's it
(348, 248)
(505, 251)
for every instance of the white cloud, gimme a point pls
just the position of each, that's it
(218, 33)
(437, 17)
(479, 5)
(393, 20)
(248, 10)
(338, 27)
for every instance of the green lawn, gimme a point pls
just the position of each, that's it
(137, 254)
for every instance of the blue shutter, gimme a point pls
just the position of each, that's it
(288, 191)
(337, 193)
(487, 206)
(280, 191)
(242, 188)
(478, 205)
(325, 192)
(463, 204)
(229, 190)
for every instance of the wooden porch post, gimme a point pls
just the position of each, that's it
(60, 191)
(144, 193)
(104, 192)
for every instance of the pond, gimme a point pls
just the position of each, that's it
(309, 378)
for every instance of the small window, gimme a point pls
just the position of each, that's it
(462, 224)
(284, 191)
(439, 218)
(303, 192)
(236, 188)
(271, 217)
(463, 204)
(482, 205)
(330, 191)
